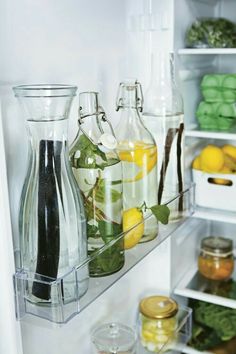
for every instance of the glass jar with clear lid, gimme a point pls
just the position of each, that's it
(216, 261)
(114, 338)
(157, 322)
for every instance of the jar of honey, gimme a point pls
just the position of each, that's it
(157, 322)
(216, 260)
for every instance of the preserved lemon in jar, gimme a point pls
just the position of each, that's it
(216, 260)
(158, 322)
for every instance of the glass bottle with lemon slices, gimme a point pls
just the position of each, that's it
(138, 153)
(98, 171)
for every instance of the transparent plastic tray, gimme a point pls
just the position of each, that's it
(59, 311)
(182, 335)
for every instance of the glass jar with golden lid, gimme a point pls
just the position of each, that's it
(157, 322)
(216, 261)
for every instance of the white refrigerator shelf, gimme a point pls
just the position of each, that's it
(215, 215)
(195, 131)
(207, 51)
(188, 350)
(195, 286)
(55, 309)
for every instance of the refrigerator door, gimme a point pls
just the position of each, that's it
(93, 44)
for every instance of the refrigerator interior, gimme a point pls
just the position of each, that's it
(95, 45)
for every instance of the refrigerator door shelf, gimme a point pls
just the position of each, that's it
(189, 350)
(55, 309)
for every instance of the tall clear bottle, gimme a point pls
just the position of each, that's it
(138, 153)
(97, 169)
(52, 218)
(163, 116)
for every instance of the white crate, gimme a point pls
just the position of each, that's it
(210, 195)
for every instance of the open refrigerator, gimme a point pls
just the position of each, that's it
(94, 45)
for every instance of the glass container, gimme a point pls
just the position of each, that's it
(51, 219)
(163, 116)
(114, 338)
(138, 153)
(97, 169)
(157, 322)
(216, 261)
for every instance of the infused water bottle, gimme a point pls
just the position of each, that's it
(138, 153)
(52, 218)
(163, 116)
(97, 169)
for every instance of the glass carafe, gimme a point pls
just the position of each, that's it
(163, 116)
(138, 153)
(52, 219)
(97, 169)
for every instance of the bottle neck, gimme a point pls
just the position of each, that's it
(162, 69)
(162, 96)
(129, 100)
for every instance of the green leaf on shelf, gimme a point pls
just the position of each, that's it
(161, 212)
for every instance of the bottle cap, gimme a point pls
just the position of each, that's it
(108, 142)
(158, 307)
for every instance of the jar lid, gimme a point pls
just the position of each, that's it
(158, 307)
(217, 245)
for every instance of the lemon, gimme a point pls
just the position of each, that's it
(212, 159)
(148, 336)
(230, 150)
(142, 155)
(230, 163)
(221, 181)
(225, 169)
(196, 165)
(132, 217)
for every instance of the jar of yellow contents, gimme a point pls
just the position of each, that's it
(216, 260)
(158, 322)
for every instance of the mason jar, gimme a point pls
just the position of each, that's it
(216, 261)
(157, 322)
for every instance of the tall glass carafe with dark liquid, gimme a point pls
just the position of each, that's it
(138, 153)
(163, 116)
(97, 169)
(52, 218)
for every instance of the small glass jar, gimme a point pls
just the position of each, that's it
(216, 260)
(114, 338)
(157, 322)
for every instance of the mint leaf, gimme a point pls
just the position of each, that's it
(115, 195)
(92, 231)
(161, 212)
(108, 230)
(104, 193)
